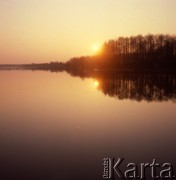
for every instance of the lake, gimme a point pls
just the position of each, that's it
(60, 126)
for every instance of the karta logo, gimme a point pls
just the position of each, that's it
(113, 170)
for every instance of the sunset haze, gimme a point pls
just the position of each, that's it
(39, 31)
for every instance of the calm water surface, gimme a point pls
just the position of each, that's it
(55, 126)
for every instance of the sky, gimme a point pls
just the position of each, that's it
(37, 31)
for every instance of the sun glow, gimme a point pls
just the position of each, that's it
(96, 48)
(96, 83)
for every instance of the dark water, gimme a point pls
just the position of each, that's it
(57, 127)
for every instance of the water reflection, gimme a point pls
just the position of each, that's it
(148, 86)
(56, 127)
(96, 83)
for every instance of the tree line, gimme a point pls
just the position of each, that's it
(150, 50)
(135, 52)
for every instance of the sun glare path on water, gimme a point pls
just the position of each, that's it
(96, 83)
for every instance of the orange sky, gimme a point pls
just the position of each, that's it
(56, 30)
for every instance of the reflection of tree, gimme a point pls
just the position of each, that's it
(134, 86)
(138, 86)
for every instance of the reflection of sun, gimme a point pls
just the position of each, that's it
(96, 83)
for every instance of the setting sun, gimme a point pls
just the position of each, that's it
(96, 48)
